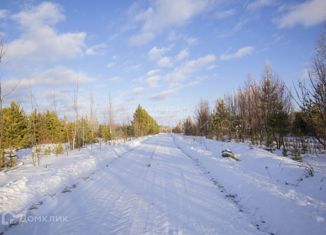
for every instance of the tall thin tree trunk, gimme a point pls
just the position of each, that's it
(74, 138)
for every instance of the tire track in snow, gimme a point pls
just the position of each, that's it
(91, 213)
(195, 207)
(180, 187)
(143, 193)
(259, 224)
(141, 207)
(123, 207)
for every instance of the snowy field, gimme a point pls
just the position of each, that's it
(165, 184)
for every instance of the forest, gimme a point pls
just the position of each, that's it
(268, 113)
(20, 130)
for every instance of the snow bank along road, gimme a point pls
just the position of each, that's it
(168, 185)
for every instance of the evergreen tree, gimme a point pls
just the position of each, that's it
(220, 120)
(46, 128)
(15, 127)
(274, 106)
(143, 123)
(85, 133)
(278, 124)
(54, 127)
(300, 126)
(105, 132)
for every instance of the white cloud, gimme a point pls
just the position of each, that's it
(235, 28)
(39, 40)
(174, 36)
(191, 40)
(244, 51)
(156, 52)
(189, 67)
(140, 39)
(225, 14)
(195, 82)
(153, 72)
(163, 14)
(58, 76)
(159, 56)
(163, 95)
(97, 49)
(172, 81)
(259, 3)
(182, 54)
(153, 80)
(308, 13)
(138, 90)
(165, 62)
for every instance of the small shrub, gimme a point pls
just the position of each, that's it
(58, 149)
(296, 154)
(304, 147)
(12, 161)
(309, 171)
(47, 151)
(37, 149)
(285, 152)
(2, 159)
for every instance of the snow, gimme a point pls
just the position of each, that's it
(23, 185)
(279, 192)
(165, 184)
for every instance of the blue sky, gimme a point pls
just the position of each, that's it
(165, 55)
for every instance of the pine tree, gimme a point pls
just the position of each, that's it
(278, 124)
(54, 127)
(220, 120)
(274, 106)
(105, 132)
(15, 127)
(143, 123)
(300, 126)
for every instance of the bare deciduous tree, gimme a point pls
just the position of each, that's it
(110, 116)
(189, 127)
(312, 96)
(35, 152)
(202, 117)
(2, 53)
(75, 106)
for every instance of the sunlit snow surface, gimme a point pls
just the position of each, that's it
(165, 184)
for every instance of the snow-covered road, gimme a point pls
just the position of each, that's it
(153, 189)
(165, 184)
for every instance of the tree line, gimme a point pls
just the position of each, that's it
(264, 111)
(20, 130)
